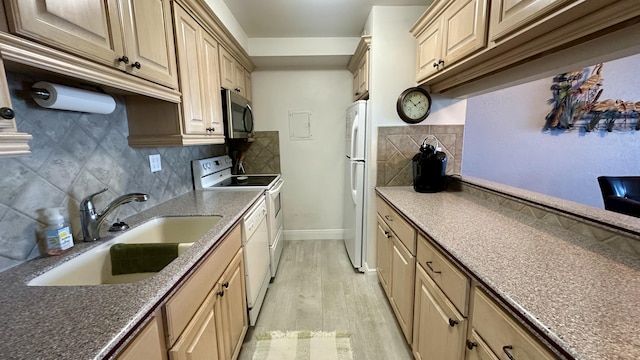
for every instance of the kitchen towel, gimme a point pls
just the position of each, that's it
(140, 258)
(303, 345)
(68, 98)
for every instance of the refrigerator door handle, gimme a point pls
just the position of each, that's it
(354, 138)
(354, 193)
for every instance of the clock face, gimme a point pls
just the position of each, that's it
(414, 105)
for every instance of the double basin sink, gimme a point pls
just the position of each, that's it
(94, 266)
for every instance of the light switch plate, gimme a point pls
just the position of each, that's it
(155, 163)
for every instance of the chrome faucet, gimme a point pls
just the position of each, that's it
(91, 221)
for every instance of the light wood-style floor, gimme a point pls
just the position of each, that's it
(316, 288)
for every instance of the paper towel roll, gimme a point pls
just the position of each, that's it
(68, 98)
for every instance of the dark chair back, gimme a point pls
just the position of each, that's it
(621, 194)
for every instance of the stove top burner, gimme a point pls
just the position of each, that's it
(246, 180)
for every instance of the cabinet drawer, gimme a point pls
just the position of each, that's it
(447, 276)
(186, 301)
(478, 350)
(501, 333)
(404, 231)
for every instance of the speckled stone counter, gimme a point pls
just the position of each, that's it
(577, 292)
(89, 322)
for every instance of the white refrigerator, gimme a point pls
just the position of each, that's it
(354, 187)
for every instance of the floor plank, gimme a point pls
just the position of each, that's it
(316, 288)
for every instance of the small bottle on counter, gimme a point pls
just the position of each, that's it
(57, 234)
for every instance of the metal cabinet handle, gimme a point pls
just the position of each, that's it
(428, 263)
(123, 59)
(441, 62)
(220, 293)
(226, 285)
(136, 65)
(452, 322)
(389, 218)
(435, 65)
(7, 113)
(471, 345)
(508, 347)
(387, 234)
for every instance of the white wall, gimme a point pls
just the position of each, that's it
(504, 142)
(392, 69)
(312, 169)
(224, 14)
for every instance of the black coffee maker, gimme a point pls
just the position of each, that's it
(429, 167)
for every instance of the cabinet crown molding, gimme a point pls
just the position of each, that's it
(363, 46)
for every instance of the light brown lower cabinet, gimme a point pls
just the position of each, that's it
(383, 235)
(438, 328)
(477, 349)
(403, 266)
(149, 343)
(200, 339)
(504, 337)
(233, 308)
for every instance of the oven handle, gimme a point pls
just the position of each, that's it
(276, 189)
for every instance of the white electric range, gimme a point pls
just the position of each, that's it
(214, 174)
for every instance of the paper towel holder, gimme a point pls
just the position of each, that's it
(62, 97)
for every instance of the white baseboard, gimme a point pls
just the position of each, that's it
(328, 234)
(368, 271)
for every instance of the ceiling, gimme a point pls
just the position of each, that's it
(306, 18)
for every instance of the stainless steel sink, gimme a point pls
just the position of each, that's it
(94, 266)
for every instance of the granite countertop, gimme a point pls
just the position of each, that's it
(580, 293)
(89, 322)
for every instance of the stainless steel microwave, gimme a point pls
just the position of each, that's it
(238, 116)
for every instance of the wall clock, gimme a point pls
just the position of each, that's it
(414, 105)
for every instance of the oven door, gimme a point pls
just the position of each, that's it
(274, 210)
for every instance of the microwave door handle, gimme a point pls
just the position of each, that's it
(247, 109)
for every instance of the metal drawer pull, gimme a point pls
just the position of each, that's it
(452, 322)
(220, 293)
(430, 268)
(136, 65)
(387, 234)
(508, 347)
(471, 344)
(226, 285)
(389, 218)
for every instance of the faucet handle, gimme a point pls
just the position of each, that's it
(87, 202)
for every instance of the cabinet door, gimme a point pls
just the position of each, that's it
(227, 66)
(383, 236)
(234, 308)
(429, 50)
(464, 29)
(12, 143)
(439, 329)
(248, 86)
(200, 338)
(88, 28)
(149, 344)
(363, 75)
(239, 79)
(508, 16)
(149, 40)
(211, 97)
(402, 284)
(188, 40)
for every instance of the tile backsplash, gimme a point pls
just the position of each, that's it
(398, 144)
(74, 155)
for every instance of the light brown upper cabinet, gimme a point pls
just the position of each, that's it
(135, 36)
(232, 73)
(199, 77)
(510, 15)
(248, 86)
(359, 67)
(12, 142)
(469, 46)
(447, 32)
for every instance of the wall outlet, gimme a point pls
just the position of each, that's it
(155, 163)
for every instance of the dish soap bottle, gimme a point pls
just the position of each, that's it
(57, 234)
